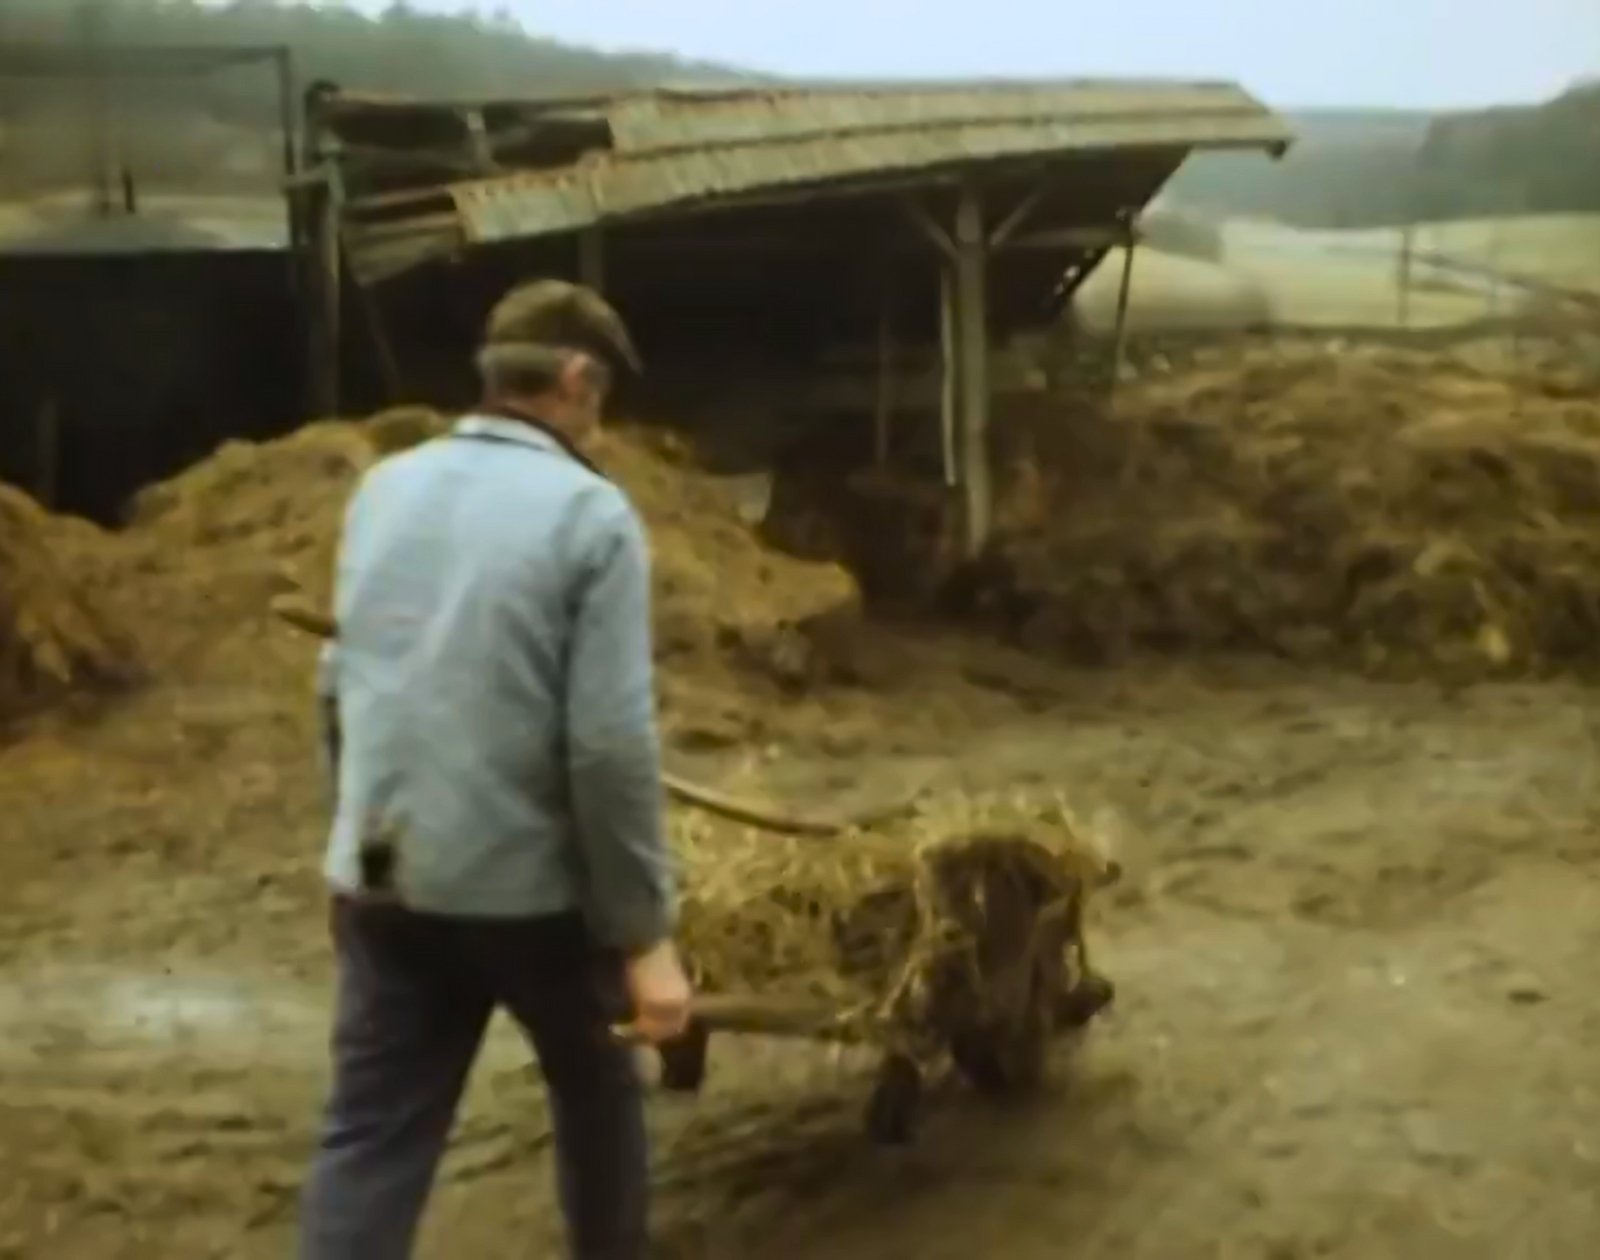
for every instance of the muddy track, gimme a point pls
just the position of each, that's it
(1351, 1023)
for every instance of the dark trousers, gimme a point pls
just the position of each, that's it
(415, 994)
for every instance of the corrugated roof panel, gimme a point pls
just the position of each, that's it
(537, 204)
(673, 149)
(666, 120)
(529, 204)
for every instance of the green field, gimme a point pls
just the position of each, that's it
(1290, 277)
(1559, 249)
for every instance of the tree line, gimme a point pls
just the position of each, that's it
(202, 127)
(1364, 169)
(1350, 169)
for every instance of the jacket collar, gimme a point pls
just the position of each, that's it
(504, 424)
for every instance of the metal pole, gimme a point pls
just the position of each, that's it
(1119, 345)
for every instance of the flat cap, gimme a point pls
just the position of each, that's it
(556, 313)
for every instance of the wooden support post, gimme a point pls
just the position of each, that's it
(949, 374)
(325, 262)
(592, 259)
(883, 416)
(972, 354)
(328, 281)
(1119, 344)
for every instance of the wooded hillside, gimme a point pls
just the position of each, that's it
(1350, 169)
(1368, 169)
(216, 129)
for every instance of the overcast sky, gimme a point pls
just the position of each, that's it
(1431, 53)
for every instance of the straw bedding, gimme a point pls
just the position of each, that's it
(256, 517)
(55, 638)
(968, 918)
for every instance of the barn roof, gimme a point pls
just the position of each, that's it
(426, 178)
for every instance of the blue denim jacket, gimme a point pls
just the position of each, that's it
(493, 687)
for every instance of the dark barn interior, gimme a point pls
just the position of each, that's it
(763, 308)
(121, 369)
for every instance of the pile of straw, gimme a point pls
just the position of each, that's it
(257, 516)
(1401, 512)
(55, 639)
(970, 917)
(723, 598)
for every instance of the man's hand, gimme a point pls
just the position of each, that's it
(660, 993)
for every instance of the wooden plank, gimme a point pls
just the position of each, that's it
(753, 1013)
(972, 355)
(378, 233)
(1014, 220)
(930, 228)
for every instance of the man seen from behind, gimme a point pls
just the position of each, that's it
(498, 837)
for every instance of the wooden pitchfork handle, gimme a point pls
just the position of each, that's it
(313, 621)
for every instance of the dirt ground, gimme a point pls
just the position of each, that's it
(1348, 946)
(1350, 952)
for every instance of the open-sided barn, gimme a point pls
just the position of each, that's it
(858, 247)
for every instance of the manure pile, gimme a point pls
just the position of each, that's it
(55, 637)
(1391, 510)
(214, 544)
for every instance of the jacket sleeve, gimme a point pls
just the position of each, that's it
(613, 748)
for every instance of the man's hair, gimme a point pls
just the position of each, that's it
(533, 332)
(512, 371)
